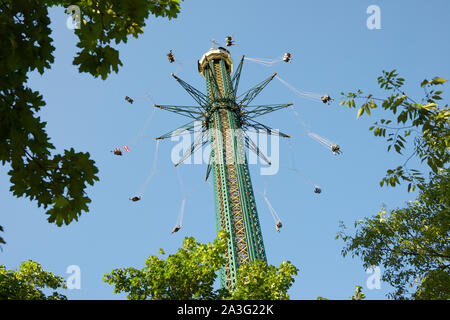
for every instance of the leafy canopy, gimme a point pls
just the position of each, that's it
(187, 274)
(412, 243)
(29, 282)
(426, 123)
(57, 181)
(190, 273)
(260, 281)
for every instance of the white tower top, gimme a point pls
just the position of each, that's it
(215, 53)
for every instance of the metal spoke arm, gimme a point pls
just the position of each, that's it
(251, 94)
(198, 96)
(188, 111)
(237, 76)
(252, 146)
(198, 143)
(259, 127)
(208, 169)
(187, 128)
(256, 111)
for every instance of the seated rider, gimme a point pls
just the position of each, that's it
(176, 229)
(229, 41)
(170, 56)
(336, 149)
(287, 57)
(279, 225)
(127, 98)
(117, 151)
(326, 99)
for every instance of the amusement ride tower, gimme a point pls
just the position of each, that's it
(223, 119)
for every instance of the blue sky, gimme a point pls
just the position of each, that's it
(332, 50)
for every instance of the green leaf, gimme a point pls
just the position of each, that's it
(438, 80)
(424, 82)
(430, 106)
(416, 233)
(376, 132)
(360, 112)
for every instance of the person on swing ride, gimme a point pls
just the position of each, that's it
(117, 151)
(130, 100)
(278, 225)
(176, 229)
(326, 99)
(135, 198)
(229, 41)
(170, 56)
(317, 189)
(287, 57)
(336, 149)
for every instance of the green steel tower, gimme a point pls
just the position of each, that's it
(224, 119)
